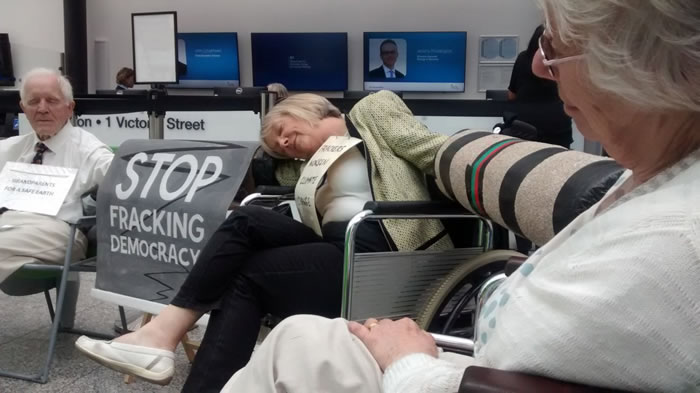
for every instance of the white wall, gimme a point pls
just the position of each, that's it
(110, 21)
(36, 33)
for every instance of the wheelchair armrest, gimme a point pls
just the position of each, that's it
(274, 190)
(265, 199)
(513, 264)
(453, 344)
(415, 207)
(481, 379)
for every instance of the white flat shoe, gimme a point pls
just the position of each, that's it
(153, 365)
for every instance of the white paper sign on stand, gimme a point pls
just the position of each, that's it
(313, 174)
(35, 188)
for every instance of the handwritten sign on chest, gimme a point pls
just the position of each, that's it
(35, 188)
(313, 174)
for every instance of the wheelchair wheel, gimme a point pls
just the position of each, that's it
(448, 307)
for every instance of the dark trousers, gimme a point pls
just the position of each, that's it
(261, 262)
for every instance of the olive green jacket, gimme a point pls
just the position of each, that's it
(401, 152)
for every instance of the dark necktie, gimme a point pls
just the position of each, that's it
(40, 149)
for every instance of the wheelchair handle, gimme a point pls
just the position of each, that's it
(415, 207)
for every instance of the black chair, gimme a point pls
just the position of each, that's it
(497, 95)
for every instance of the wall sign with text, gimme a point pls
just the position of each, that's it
(113, 129)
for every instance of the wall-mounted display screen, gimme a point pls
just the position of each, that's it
(415, 61)
(301, 61)
(207, 60)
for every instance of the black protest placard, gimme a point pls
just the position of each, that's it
(158, 205)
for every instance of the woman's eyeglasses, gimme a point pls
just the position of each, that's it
(549, 56)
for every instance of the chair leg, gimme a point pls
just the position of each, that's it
(67, 317)
(72, 291)
(44, 376)
(190, 346)
(49, 304)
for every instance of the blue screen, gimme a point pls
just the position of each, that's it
(301, 61)
(208, 60)
(418, 61)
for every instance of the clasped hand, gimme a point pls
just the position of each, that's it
(388, 340)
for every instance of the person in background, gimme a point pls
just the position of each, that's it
(47, 100)
(280, 91)
(125, 79)
(544, 109)
(613, 299)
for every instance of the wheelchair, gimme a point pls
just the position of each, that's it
(444, 291)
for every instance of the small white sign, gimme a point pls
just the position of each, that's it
(35, 188)
(313, 174)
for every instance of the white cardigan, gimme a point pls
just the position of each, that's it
(612, 301)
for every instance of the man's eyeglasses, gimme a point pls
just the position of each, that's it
(549, 56)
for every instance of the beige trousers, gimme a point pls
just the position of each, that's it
(307, 353)
(31, 238)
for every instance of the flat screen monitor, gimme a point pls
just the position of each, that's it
(415, 61)
(301, 61)
(207, 60)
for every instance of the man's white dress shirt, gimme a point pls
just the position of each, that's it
(72, 147)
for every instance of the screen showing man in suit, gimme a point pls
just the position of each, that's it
(415, 60)
(389, 54)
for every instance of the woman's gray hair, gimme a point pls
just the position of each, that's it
(63, 82)
(647, 52)
(307, 107)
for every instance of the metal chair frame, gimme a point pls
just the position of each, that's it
(43, 375)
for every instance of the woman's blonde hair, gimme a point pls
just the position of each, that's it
(646, 52)
(310, 108)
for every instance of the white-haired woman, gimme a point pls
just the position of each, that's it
(611, 301)
(261, 262)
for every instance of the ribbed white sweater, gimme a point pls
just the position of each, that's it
(613, 300)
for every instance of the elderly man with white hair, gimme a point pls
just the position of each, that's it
(47, 101)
